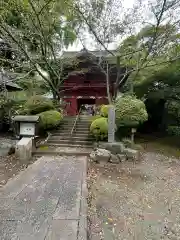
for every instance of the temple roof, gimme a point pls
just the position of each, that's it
(86, 61)
(8, 80)
(84, 52)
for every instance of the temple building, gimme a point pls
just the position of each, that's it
(85, 81)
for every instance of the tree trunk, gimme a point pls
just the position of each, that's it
(54, 94)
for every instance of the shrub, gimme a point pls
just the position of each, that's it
(99, 128)
(18, 107)
(130, 111)
(94, 118)
(50, 119)
(6, 105)
(38, 104)
(173, 130)
(104, 110)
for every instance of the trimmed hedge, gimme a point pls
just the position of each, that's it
(50, 119)
(93, 118)
(104, 110)
(99, 128)
(38, 104)
(130, 111)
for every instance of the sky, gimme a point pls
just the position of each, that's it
(77, 46)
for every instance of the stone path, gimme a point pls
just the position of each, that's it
(47, 201)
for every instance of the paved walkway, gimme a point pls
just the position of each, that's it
(47, 201)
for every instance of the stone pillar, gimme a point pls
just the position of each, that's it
(111, 124)
(24, 149)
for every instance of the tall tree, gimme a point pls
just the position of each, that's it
(114, 22)
(38, 31)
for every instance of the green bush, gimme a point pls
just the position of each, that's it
(6, 105)
(50, 119)
(93, 118)
(99, 128)
(38, 104)
(104, 110)
(18, 107)
(173, 130)
(130, 112)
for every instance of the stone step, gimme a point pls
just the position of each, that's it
(75, 134)
(83, 121)
(77, 125)
(71, 126)
(86, 131)
(69, 121)
(65, 128)
(72, 138)
(66, 125)
(54, 152)
(62, 132)
(69, 145)
(82, 125)
(68, 130)
(70, 141)
(81, 134)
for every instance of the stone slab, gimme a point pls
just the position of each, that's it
(83, 228)
(70, 192)
(24, 178)
(48, 203)
(63, 229)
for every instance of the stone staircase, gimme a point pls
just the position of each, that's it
(71, 142)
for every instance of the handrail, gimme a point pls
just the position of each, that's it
(75, 122)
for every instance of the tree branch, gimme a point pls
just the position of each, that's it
(92, 30)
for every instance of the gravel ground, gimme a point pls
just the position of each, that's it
(10, 166)
(135, 201)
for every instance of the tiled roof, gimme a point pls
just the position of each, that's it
(8, 79)
(71, 54)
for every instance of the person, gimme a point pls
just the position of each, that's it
(93, 110)
(90, 110)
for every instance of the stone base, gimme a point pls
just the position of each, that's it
(113, 153)
(24, 149)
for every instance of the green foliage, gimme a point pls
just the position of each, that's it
(50, 119)
(140, 45)
(6, 105)
(99, 128)
(130, 111)
(39, 30)
(104, 110)
(38, 104)
(93, 118)
(33, 85)
(173, 108)
(162, 84)
(18, 107)
(173, 130)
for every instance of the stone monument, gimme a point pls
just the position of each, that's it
(111, 124)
